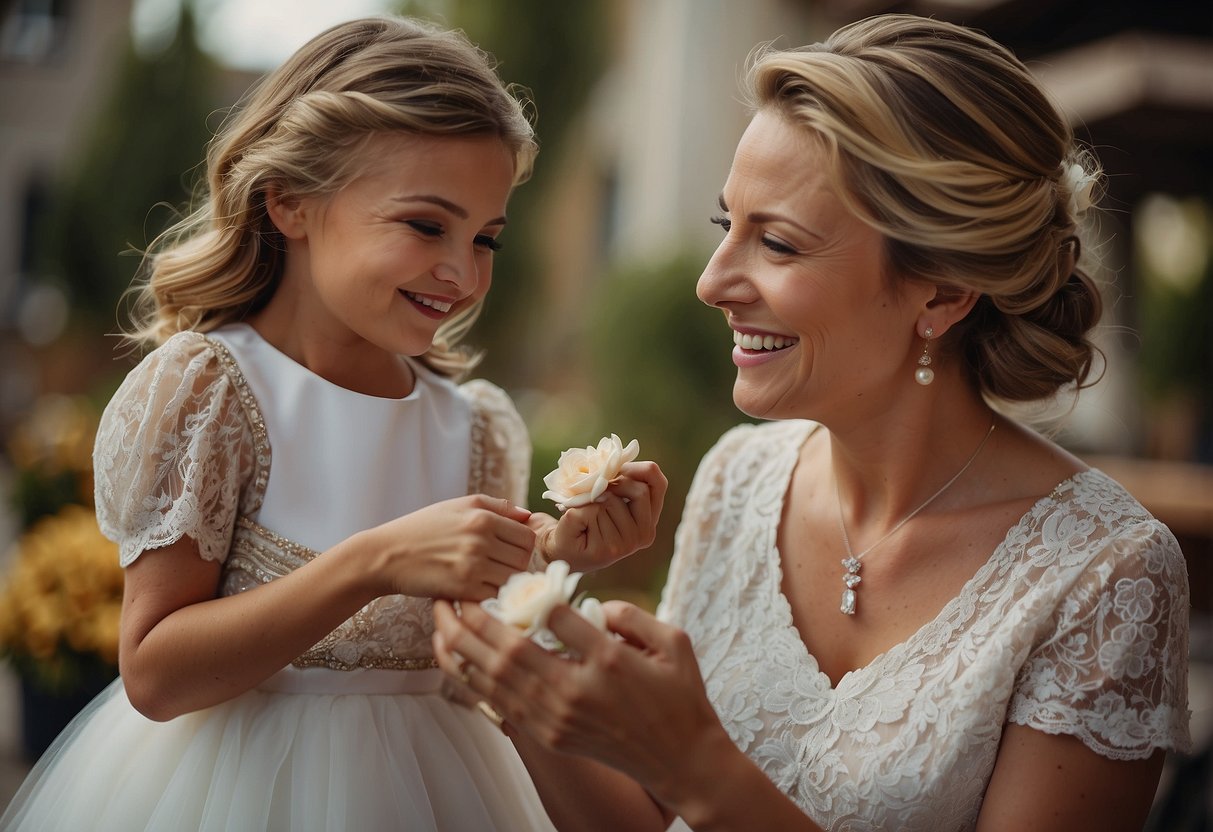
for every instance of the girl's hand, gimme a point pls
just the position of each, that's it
(637, 704)
(623, 521)
(462, 548)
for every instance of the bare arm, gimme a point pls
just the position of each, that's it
(183, 649)
(1045, 782)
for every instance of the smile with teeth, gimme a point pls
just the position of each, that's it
(761, 342)
(433, 303)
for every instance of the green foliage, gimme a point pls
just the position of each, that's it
(145, 141)
(1177, 349)
(555, 50)
(663, 371)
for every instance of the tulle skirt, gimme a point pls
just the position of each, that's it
(310, 750)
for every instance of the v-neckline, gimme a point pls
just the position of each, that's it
(783, 607)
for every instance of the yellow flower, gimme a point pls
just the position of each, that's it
(64, 590)
(57, 435)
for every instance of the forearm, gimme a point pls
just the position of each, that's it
(722, 790)
(208, 652)
(582, 795)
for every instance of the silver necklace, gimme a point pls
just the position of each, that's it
(852, 561)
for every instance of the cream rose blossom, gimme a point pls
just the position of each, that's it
(527, 599)
(583, 474)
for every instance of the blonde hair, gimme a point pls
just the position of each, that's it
(944, 143)
(301, 131)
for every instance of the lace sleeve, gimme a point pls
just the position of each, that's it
(501, 445)
(173, 452)
(702, 519)
(1114, 671)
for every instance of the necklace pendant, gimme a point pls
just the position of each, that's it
(847, 607)
(851, 579)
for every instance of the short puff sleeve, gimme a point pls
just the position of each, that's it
(1114, 670)
(501, 445)
(174, 453)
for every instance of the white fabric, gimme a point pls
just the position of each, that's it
(281, 761)
(335, 742)
(332, 482)
(1077, 624)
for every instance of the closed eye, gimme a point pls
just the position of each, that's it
(429, 229)
(777, 247)
(723, 221)
(485, 241)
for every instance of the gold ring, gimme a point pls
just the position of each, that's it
(490, 713)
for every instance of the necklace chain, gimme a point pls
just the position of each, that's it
(852, 561)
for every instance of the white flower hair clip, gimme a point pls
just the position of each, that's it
(1081, 186)
(583, 474)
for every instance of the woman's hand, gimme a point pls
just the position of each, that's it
(623, 521)
(461, 548)
(636, 703)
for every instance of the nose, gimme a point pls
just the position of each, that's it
(723, 280)
(460, 271)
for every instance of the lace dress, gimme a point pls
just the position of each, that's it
(1076, 625)
(264, 464)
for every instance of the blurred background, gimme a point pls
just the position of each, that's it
(105, 109)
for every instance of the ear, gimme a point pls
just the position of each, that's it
(287, 212)
(947, 306)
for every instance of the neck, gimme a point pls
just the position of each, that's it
(886, 467)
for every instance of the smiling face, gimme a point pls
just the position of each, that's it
(403, 247)
(819, 329)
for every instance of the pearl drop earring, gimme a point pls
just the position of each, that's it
(924, 375)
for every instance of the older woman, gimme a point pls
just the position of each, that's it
(892, 606)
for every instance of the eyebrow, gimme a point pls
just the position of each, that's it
(761, 217)
(442, 202)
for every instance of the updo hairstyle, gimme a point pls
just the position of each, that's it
(945, 143)
(302, 131)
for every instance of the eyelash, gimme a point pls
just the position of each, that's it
(772, 245)
(431, 230)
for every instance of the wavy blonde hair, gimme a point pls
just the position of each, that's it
(302, 131)
(944, 142)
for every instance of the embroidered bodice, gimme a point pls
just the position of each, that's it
(1077, 624)
(264, 464)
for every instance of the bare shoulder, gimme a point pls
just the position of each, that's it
(1026, 465)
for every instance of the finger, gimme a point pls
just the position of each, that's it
(609, 523)
(649, 473)
(485, 579)
(623, 515)
(502, 506)
(455, 685)
(514, 534)
(639, 627)
(577, 634)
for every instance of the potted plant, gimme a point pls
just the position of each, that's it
(61, 593)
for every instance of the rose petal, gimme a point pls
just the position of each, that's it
(591, 610)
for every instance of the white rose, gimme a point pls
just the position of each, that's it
(583, 474)
(527, 599)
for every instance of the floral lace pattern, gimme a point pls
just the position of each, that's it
(176, 453)
(182, 451)
(1077, 624)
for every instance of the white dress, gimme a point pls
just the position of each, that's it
(264, 464)
(1077, 624)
